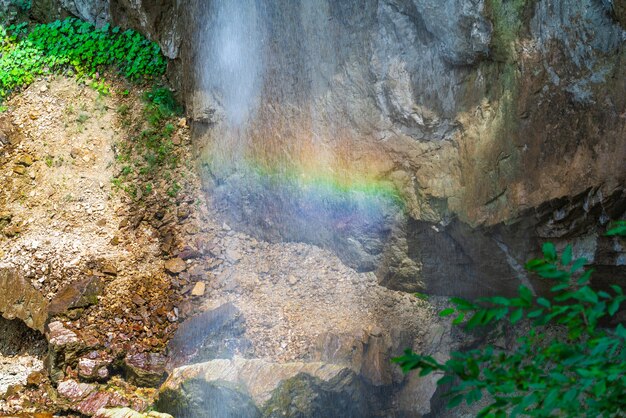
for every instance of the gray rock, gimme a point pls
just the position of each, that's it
(305, 396)
(242, 388)
(216, 333)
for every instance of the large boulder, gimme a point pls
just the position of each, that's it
(20, 300)
(305, 396)
(244, 388)
(214, 333)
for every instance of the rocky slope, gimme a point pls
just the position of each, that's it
(109, 267)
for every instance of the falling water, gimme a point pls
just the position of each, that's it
(231, 56)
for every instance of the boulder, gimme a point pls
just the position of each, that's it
(304, 396)
(216, 333)
(80, 294)
(145, 369)
(243, 388)
(64, 349)
(21, 300)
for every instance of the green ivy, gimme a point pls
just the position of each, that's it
(579, 370)
(27, 52)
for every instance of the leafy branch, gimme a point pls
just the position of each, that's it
(566, 364)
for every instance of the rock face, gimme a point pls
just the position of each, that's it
(436, 145)
(216, 333)
(22, 301)
(255, 388)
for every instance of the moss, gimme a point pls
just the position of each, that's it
(508, 18)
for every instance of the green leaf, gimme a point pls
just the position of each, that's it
(459, 319)
(455, 401)
(421, 296)
(566, 257)
(517, 315)
(617, 228)
(525, 294)
(446, 312)
(578, 264)
(549, 251)
(543, 302)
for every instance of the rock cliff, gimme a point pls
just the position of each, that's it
(436, 145)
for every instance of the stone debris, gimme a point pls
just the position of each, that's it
(130, 282)
(198, 289)
(175, 265)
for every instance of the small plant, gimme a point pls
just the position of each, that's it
(161, 105)
(123, 110)
(101, 87)
(82, 118)
(49, 160)
(173, 190)
(566, 365)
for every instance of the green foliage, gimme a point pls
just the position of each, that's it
(27, 52)
(565, 365)
(160, 105)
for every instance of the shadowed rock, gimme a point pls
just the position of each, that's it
(217, 333)
(21, 300)
(76, 295)
(243, 388)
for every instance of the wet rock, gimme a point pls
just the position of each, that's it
(21, 300)
(200, 399)
(145, 369)
(64, 349)
(79, 294)
(175, 265)
(376, 365)
(251, 383)
(217, 333)
(619, 8)
(307, 396)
